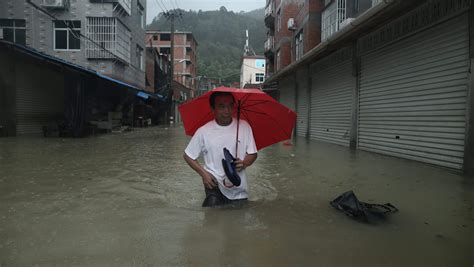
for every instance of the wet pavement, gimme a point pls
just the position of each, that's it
(130, 200)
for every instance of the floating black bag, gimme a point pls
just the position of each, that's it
(229, 168)
(370, 213)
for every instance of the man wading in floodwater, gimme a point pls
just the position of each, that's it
(210, 140)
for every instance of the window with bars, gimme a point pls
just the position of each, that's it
(110, 39)
(259, 77)
(13, 30)
(67, 35)
(332, 17)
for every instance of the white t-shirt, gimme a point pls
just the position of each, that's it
(209, 141)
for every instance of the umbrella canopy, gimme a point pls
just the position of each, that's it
(271, 121)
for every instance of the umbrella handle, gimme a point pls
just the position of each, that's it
(237, 136)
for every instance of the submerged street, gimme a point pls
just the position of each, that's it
(130, 200)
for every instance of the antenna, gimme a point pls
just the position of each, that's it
(247, 49)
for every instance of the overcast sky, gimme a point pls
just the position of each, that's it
(156, 6)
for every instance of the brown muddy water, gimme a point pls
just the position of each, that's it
(130, 200)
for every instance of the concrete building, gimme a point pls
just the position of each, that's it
(185, 60)
(106, 36)
(390, 77)
(252, 70)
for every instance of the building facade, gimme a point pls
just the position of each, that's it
(390, 77)
(252, 70)
(185, 60)
(106, 36)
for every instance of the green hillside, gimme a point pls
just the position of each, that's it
(221, 38)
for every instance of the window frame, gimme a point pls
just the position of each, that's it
(299, 47)
(67, 30)
(14, 28)
(139, 54)
(166, 34)
(259, 77)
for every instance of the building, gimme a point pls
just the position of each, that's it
(106, 36)
(44, 94)
(252, 70)
(390, 77)
(185, 60)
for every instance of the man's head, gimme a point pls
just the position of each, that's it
(222, 104)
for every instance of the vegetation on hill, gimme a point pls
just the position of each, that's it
(221, 38)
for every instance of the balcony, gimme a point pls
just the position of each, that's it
(270, 16)
(269, 45)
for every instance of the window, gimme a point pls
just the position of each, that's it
(259, 77)
(139, 54)
(112, 36)
(299, 45)
(165, 50)
(155, 37)
(165, 37)
(141, 16)
(67, 34)
(278, 20)
(14, 30)
(278, 59)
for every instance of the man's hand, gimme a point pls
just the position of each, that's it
(208, 180)
(242, 164)
(239, 164)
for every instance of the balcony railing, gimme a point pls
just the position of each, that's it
(269, 43)
(108, 33)
(269, 10)
(270, 16)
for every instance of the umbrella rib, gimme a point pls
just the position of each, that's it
(257, 112)
(255, 103)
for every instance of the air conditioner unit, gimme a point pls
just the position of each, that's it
(345, 22)
(291, 24)
(59, 4)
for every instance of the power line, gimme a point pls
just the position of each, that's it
(172, 5)
(71, 29)
(163, 3)
(160, 6)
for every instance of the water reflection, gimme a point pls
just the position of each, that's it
(130, 199)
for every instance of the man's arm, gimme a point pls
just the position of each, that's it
(248, 160)
(207, 179)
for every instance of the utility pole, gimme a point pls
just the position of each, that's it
(171, 15)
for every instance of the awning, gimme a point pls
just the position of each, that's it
(55, 60)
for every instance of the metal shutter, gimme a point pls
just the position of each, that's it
(331, 102)
(287, 92)
(302, 102)
(412, 99)
(39, 98)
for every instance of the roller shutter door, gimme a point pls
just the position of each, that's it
(39, 99)
(287, 92)
(302, 103)
(413, 95)
(331, 103)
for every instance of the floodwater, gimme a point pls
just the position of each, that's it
(130, 200)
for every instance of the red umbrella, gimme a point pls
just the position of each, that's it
(271, 121)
